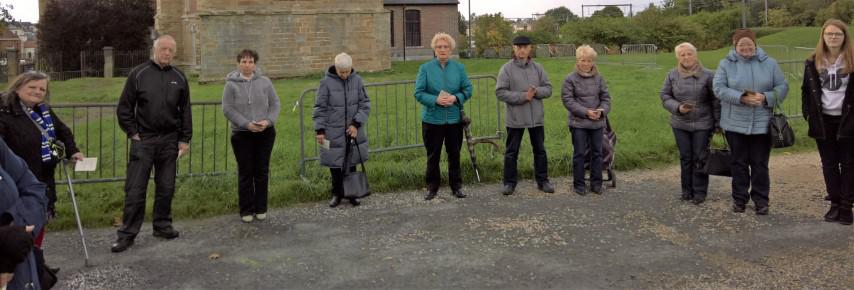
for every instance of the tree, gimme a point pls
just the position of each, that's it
(546, 30)
(841, 9)
(6, 15)
(686, 7)
(71, 26)
(609, 11)
(779, 17)
(463, 25)
(561, 15)
(492, 31)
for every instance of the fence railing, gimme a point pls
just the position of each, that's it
(395, 120)
(794, 72)
(61, 67)
(97, 133)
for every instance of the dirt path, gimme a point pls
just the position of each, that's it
(638, 235)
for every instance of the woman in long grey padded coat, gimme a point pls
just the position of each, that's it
(340, 113)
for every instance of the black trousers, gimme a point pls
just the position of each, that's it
(837, 163)
(750, 180)
(692, 149)
(511, 154)
(161, 153)
(47, 176)
(338, 180)
(434, 136)
(582, 141)
(252, 151)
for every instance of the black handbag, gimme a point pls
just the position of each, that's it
(355, 182)
(781, 133)
(718, 161)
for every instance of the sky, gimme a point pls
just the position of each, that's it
(27, 10)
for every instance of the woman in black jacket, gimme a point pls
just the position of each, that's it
(31, 129)
(827, 100)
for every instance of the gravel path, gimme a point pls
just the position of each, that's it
(638, 235)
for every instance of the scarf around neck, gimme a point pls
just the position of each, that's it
(694, 71)
(593, 71)
(41, 117)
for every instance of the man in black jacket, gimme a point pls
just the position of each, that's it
(154, 111)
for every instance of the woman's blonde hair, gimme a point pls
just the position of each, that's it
(11, 92)
(445, 37)
(683, 46)
(585, 51)
(847, 50)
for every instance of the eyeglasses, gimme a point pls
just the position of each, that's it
(834, 34)
(443, 47)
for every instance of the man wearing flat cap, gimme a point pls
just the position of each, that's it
(523, 84)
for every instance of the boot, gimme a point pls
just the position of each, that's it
(833, 214)
(336, 200)
(845, 216)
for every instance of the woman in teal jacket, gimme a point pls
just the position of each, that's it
(749, 84)
(442, 87)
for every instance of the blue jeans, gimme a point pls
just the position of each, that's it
(692, 149)
(582, 141)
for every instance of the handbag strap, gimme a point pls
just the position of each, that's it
(722, 134)
(358, 151)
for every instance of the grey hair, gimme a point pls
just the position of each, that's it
(343, 61)
(162, 37)
(683, 46)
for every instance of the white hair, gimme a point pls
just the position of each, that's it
(162, 37)
(585, 51)
(443, 36)
(343, 61)
(684, 46)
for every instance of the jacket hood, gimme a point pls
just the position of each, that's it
(332, 73)
(234, 76)
(734, 57)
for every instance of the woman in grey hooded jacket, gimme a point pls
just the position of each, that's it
(340, 113)
(251, 105)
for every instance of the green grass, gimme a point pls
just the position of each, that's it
(645, 138)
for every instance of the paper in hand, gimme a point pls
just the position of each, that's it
(325, 144)
(87, 164)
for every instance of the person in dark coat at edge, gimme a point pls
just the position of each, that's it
(154, 111)
(826, 97)
(340, 112)
(25, 106)
(22, 204)
(523, 84)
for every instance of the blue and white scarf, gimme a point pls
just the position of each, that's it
(46, 123)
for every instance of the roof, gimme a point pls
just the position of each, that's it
(421, 2)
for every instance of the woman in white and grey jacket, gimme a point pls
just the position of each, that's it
(585, 96)
(688, 96)
(251, 105)
(523, 84)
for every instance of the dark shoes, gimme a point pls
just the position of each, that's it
(698, 200)
(458, 193)
(738, 207)
(121, 245)
(762, 210)
(508, 189)
(336, 200)
(832, 215)
(845, 216)
(687, 196)
(354, 202)
(546, 187)
(431, 194)
(581, 191)
(166, 233)
(596, 190)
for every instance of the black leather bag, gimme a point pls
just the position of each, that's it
(718, 161)
(781, 133)
(355, 182)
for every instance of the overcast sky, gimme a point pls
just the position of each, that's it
(27, 10)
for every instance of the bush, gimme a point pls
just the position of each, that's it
(841, 9)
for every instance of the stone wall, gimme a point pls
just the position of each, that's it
(293, 37)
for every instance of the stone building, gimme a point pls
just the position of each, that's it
(412, 30)
(293, 37)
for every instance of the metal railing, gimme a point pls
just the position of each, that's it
(793, 70)
(97, 133)
(395, 120)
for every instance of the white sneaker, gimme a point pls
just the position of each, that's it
(261, 216)
(246, 218)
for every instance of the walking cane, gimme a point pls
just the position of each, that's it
(76, 211)
(470, 143)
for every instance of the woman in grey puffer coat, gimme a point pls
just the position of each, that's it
(585, 96)
(340, 113)
(687, 94)
(252, 107)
